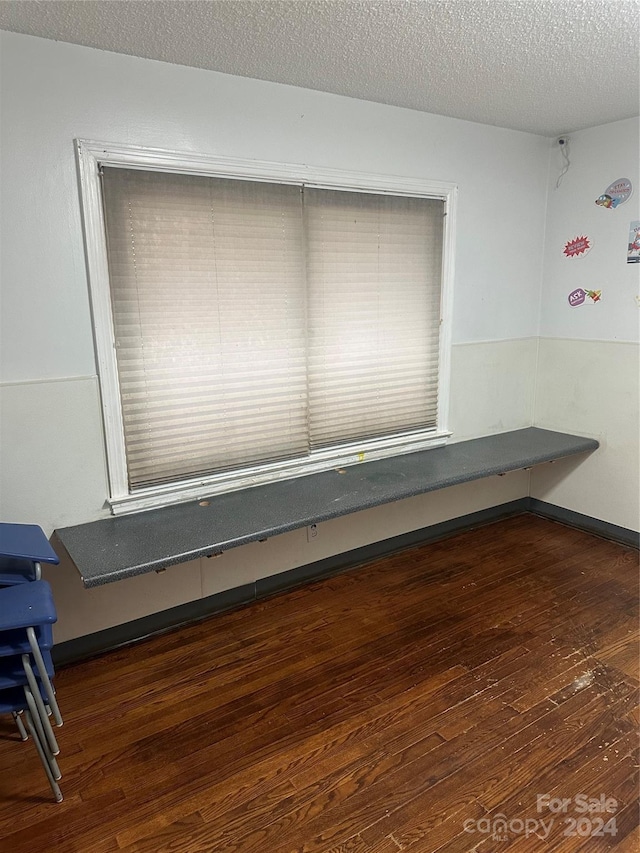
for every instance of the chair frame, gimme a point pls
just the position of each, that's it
(27, 705)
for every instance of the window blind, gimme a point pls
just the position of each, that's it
(374, 281)
(255, 322)
(207, 285)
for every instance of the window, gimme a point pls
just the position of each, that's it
(254, 324)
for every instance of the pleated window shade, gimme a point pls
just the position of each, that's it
(373, 275)
(257, 321)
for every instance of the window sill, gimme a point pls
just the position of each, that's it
(318, 462)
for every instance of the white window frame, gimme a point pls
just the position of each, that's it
(90, 155)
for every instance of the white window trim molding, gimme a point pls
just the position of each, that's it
(90, 155)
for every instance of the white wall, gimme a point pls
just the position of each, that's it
(588, 364)
(53, 92)
(53, 470)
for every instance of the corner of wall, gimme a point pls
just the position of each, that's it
(587, 359)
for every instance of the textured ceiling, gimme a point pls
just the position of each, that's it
(545, 66)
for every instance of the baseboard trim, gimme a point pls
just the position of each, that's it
(110, 639)
(584, 522)
(367, 553)
(114, 638)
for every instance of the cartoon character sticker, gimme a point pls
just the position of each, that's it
(615, 194)
(584, 297)
(633, 248)
(577, 248)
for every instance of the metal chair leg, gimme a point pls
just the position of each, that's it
(57, 793)
(41, 709)
(46, 683)
(37, 722)
(20, 725)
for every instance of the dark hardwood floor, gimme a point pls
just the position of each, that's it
(418, 703)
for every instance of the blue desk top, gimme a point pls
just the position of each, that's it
(26, 542)
(117, 548)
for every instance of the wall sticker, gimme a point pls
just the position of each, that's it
(584, 297)
(616, 194)
(633, 248)
(577, 248)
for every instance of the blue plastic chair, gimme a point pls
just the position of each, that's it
(23, 547)
(27, 612)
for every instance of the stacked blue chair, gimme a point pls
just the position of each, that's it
(27, 612)
(23, 547)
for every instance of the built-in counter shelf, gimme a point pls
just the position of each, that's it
(116, 548)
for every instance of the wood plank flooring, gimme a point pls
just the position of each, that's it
(418, 703)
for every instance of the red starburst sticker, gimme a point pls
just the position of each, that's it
(577, 247)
